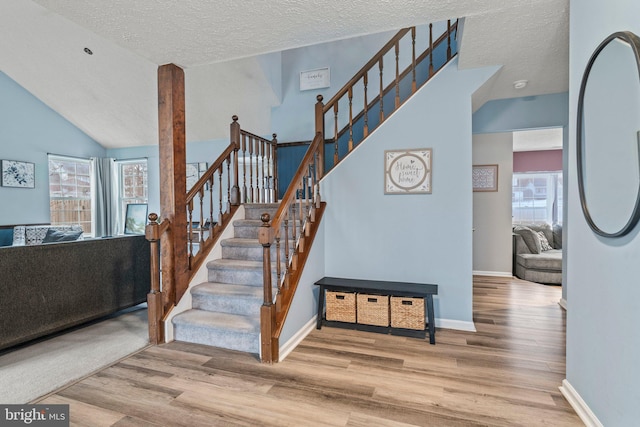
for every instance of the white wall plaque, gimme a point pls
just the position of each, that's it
(407, 171)
(315, 79)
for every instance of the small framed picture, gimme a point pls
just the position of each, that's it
(194, 172)
(485, 177)
(136, 218)
(18, 174)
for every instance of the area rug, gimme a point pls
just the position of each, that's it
(34, 370)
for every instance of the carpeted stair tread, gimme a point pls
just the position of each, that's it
(226, 289)
(213, 320)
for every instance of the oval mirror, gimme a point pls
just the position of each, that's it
(608, 135)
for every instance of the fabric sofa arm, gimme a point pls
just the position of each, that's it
(520, 246)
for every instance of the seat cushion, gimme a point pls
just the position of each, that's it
(547, 260)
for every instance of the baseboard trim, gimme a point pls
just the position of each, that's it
(563, 303)
(297, 338)
(456, 324)
(582, 409)
(493, 273)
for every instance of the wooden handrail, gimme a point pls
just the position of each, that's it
(299, 211)
(410, 69)
(373, 61)
(214, 198)
(362, 74)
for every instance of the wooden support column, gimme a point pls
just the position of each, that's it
(173, 161)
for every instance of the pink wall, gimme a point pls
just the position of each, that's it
(537, 161)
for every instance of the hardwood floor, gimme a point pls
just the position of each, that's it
(505, 374)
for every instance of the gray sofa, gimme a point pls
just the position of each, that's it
(534, 260)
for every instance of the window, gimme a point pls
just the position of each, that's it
(132, 183)
(70, 192)
(537, 197)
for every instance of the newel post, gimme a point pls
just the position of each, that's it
(274, 157)
(267, 311)
(154, 297)
(320, 129)
(235, 140)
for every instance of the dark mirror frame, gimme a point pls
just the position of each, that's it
(634, 43)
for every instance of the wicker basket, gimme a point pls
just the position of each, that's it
(373, 310)
(407, 313)
(341, 306)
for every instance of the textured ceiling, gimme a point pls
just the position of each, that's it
(112, 95)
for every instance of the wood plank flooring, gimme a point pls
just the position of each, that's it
(505, 374)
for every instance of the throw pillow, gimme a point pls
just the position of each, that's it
(18, 235)
(544, 243)
(54, 235)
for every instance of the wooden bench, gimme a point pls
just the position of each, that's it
(397, 289)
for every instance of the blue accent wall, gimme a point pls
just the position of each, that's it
(29, 130)
(531, 112)
(603, 343)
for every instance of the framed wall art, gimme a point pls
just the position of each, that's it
(136, 218)
(194, 172)
(485, 177)
(18, 174)
(407, 171)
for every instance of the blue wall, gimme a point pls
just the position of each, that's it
(603, 344)
(531, 112)
(417, 238)
(28, 131)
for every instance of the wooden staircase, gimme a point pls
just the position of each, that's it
(271, 267)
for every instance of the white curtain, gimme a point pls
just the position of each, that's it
(106, 200)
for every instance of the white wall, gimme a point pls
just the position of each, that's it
(492, 253)
(603, 343)
(415, 238)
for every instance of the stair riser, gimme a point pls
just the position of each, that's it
(235, 305)
(250, 231)
(254, 211)
(239, 277)
(247, 342)
(252, 253)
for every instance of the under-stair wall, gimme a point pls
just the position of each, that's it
(411, 237)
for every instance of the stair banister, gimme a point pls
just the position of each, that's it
(155, 311)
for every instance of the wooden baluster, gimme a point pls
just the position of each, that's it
(397, 47)
(262, 194)
(211, 181)
(190, 230)
(201, 194)
(244, 169)
(448, 39)
(251, 168)
(350, 118)
(267, 311)
(278, 264)
(220, 169)
(227, 208)
(274, 171)
(268, 175)
(413, 60)
(294, 230)
(154, 297)
(365, 131)
(430, 50)
(380, 66)
(234, 198)
(285, 284)
(335, 133)
(258, 154)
